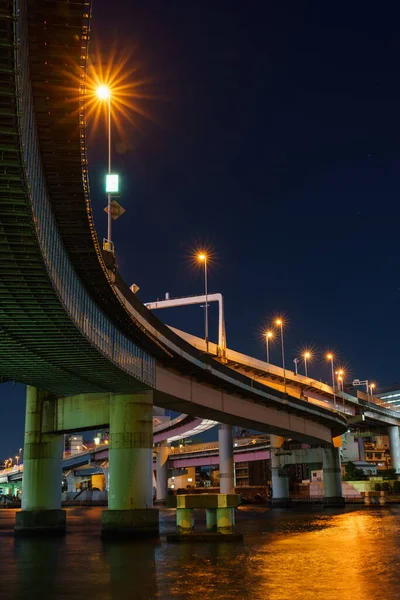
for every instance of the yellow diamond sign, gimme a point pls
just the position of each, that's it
(116, 210)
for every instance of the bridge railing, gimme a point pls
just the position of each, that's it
(83, 311)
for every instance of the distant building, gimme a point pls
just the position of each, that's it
(390, 395)
(73, 444)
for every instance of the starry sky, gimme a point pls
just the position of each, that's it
(269, 134)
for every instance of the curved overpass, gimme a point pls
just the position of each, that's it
(68, 322)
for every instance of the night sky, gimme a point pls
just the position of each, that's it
(273, 139)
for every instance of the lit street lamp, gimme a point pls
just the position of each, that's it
(340, 375)
(104, 94)
(279, 323)
(202, 257)
(268, 336)
(330, 358)
(17, 459)
(306, 357)
(372, 386)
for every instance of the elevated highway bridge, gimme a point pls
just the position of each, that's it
(89, 351)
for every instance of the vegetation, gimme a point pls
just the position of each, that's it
(352, 473)
(396, 487)
(390, 474)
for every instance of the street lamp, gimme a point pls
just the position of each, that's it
(329, 357)
(279, 323)
(103, 93)
(17, 459)
(340, 375)
(306, 357)
(372, 386)
(202, 257)
(268, 336)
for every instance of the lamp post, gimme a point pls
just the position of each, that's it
(268, 336)
(340, 375)
(203, 258)
(279, 323)
(103, 93)
(17, 459)
(330, 358)
(372, 386)
(306, 357)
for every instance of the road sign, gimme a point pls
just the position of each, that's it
(116, 210)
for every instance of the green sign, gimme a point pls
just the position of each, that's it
(112, 184)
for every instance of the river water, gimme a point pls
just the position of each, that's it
(292, 554)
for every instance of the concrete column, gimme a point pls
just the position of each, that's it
(280, 482)
(184, 520)
(41, 491)
(332, 477)
(130, 499)
(162, 474)
(226, 466)
(105, 473)
(71, 481)
(211, 519)
(225, 519)
(361, 448)
(394, 442)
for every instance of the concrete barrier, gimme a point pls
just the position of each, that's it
(220, 517)
(374, 497)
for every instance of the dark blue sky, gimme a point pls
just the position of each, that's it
(274, 138)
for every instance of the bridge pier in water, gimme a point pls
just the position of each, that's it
(280, 482)
(41, 499)
(162, 473)
(130, 498)
(394, 442)
(332, 477)
(224, 517)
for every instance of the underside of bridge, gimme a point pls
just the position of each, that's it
(51, 333)
(68, 322)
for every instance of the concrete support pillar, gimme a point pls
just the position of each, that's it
(130, 497)
(162, 474)
(184, 520)
(226, 466)
(394, 442)
(72, 482)
(361, 449)
(105, 473)
(225, 519)
(279, 481)
(41, 492)
(332, 477)
(211, 519)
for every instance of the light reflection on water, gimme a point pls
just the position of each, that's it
(307, 554)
